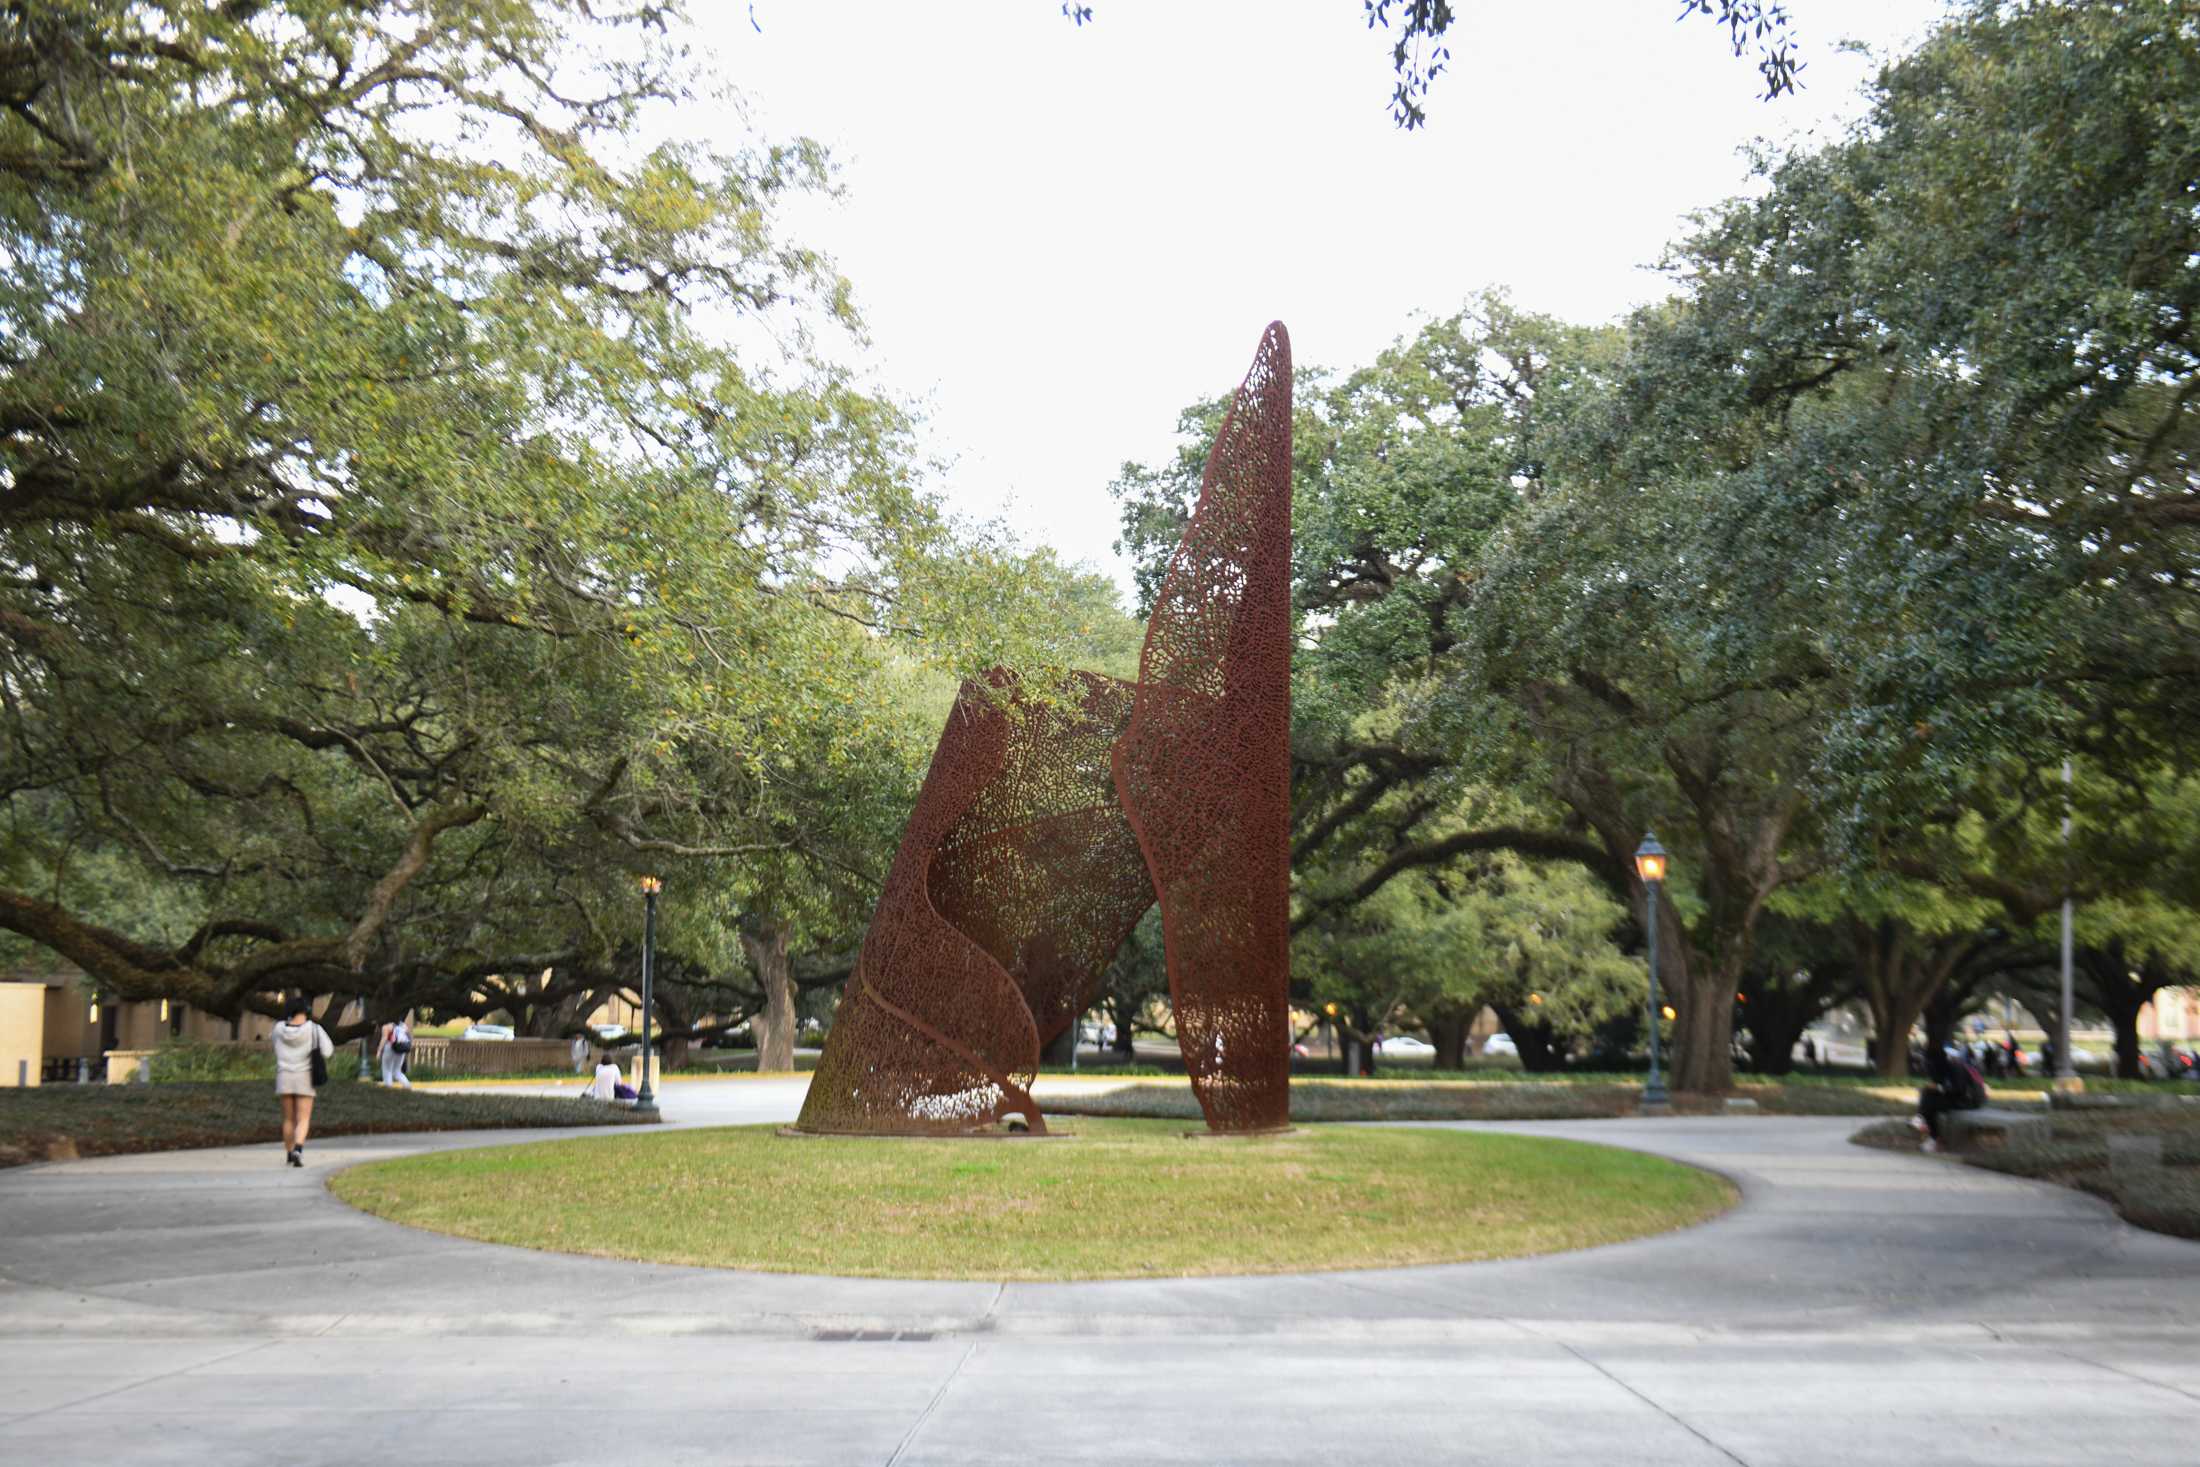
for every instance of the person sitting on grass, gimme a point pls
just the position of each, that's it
(605, 1085)
(1952, 1083)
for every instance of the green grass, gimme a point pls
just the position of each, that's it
(1117, 1199)
(2078, 1153)
(1317, 1100)
(58, 1122)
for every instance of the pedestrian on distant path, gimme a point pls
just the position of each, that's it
(1953, 1083)
(302, 1049)
(580, 1054)
(397, 1042)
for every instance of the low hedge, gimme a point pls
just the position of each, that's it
(1476, 1100)
(62, 1122)
(205, 1062)
(2078, 1153)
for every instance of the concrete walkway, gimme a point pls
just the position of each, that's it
(1858, 1307)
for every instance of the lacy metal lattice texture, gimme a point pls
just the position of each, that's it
(1204, 770)
(1047, 827)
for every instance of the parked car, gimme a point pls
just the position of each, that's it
(488, 1031)
(1501, 1044)
(1404, 1044)
(610, 1033)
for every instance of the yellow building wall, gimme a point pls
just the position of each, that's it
(22, 1032)
(69, 1028)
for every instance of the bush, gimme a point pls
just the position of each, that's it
(2166, 1199)
(202, 1062)
(2078, 1153)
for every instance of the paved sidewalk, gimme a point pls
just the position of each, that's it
(1859, 1306)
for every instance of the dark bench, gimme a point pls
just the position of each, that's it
(1990, 1127)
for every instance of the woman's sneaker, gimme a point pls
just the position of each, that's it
(295, 1158)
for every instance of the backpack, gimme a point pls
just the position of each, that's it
(1966, 1086)
(401, 1038)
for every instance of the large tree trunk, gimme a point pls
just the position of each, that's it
(1776, 1025)
(1899, 978)
(1126, 1041)
(1941, 1020)
(1894, 1014)
(1701, 988)
(1059, 1051)
(2121, 994)
(1703, 1033)
(766, 944)
(1541, 1050)
(1447, 1029)
(2127, 1043)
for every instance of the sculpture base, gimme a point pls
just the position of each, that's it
(796, 1133)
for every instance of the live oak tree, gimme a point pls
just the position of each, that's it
(1525, 632)
(1534, 942)
(423, 508)
(1896, 488)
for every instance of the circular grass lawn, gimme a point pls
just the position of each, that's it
(1120, 1199)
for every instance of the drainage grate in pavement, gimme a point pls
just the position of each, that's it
(867, 1336)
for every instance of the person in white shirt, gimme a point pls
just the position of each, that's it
(580, 1054)
(606, 1084)
(294, 1042)
(397, 1042)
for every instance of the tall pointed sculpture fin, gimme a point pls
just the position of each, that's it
(1204, 770)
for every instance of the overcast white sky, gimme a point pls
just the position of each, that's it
(1060, 236)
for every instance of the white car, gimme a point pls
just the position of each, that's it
(1501, 1044)
(488, 1031)
(1404, 1044)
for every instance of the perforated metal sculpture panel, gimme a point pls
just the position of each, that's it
(1046, 828)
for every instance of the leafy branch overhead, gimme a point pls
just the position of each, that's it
(1421, 50)
(397, 552)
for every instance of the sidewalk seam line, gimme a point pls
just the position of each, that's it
(133, 1385)
(1723, 1451)
(929, 1407)
(2127, 1375)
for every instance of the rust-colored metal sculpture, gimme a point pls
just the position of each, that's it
(1046, 828)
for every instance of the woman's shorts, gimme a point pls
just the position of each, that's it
(299, 1082)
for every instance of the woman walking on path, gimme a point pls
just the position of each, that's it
(298, 1042)
(397, 1043)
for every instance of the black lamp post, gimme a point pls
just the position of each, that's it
(1650, 866)
(645, 1095)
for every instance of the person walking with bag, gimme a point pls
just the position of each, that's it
(302, 1049)
(397, 1042)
